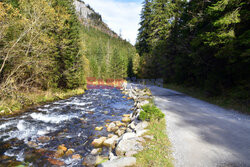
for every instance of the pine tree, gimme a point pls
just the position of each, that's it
(143, 44)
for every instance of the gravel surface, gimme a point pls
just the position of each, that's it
(203, 134)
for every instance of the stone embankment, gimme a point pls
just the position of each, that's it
(126, 137)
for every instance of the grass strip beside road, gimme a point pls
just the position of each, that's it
(156, 153)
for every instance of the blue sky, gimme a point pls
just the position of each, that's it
(120, 15)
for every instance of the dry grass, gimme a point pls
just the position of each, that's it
(157, 153)
(27, 99)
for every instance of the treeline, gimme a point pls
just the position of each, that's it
(39, 46)
(108, 57)
(203, 44)
(43, 46)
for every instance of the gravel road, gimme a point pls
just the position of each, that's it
(202, 134)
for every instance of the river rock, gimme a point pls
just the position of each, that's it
(62, 147)
(96, 151)
(98, 142)
(32, 144)
(119, 124)
(99, 128)
(76, 156)
(43, 139)
(132, 125)
(111, 127)
(128, 130)
(112, 156)
(141, 125)
(110, 142)
(120, 132)
(126, 115)
(120, 162)
(100, 159)
(89, 161)
(59, 154)
(69, 152)
(126, 119)
(128, 145)
(129, 136)
(56, 162)
(110, 135)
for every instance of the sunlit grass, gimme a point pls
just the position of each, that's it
(157, 153)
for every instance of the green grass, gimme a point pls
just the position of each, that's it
(11, 106)
(156, 153)
(226, 100)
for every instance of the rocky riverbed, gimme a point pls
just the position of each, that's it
(99, 127)
(128, 138)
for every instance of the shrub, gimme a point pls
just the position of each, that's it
(150, 111)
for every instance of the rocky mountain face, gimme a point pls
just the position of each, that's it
(89, 17)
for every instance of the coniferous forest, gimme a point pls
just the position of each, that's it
(202, 44)
(45, 49)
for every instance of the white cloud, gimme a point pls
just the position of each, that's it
(124, 16)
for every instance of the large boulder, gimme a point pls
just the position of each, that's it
(110, 142)
(120, 162)
(127, 145)
(89, 161)
(128, 136)
(141, 126)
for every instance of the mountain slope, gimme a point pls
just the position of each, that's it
(89, 17)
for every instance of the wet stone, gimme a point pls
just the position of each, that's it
(38, 133)
(76, 156)
(99, 128)
(96, 151)
(69, 152)
(126, 119)
(43, 139)
(56, 162)
(62, 147)
(98, 142)
(89, 161)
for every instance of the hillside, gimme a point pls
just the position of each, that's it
(49, 47)
(90, 18)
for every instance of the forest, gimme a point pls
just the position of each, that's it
(202, 44)
(45, 51)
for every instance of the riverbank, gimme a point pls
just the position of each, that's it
(141, 139)
(226, 100)
(25, 100)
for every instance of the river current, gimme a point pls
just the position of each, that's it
(32, 138)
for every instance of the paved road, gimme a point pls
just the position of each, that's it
(202, 134)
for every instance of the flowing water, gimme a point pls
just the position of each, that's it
(24, 138)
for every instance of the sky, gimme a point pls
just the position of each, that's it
(120, 15)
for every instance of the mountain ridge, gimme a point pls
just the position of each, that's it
(87, 16)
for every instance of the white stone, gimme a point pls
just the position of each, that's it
(128, 136)
(141, 126)
(111, 141)
(141, 132)
(128, 145)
